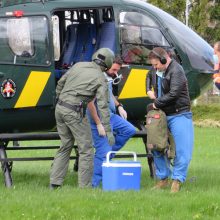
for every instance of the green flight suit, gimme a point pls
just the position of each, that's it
(83, 82)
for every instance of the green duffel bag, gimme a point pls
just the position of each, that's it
(157, 130)
(171, 150)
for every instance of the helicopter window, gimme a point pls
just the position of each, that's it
(24, 40)
(153, 36)
(139, 34)
(138, 41)
(131, 34)
(136, 18)
(135, 54)
(194, 47)
(19, 37)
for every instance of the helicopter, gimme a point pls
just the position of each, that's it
(41, 39)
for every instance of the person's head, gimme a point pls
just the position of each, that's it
(217, 48)
(159, 58)
(216, 56)
(116, 66)
(104, 57)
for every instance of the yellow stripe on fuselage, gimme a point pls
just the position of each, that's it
(135, 86)
(33, 89)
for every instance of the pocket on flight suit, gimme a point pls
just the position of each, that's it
(72, 117)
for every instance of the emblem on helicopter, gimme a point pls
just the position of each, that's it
(8, 88)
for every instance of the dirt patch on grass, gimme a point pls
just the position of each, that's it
(207, 123)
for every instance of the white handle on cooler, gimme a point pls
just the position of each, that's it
(120, 152)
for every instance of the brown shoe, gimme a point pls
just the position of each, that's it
(175, 187)
(161, 184)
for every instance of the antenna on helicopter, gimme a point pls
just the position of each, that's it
(43, 1)
(188, 7)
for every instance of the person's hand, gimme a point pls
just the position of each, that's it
(122, 112)
(151, 95)
(101, 130)
(111, 138)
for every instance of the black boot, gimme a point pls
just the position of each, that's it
(54, 186)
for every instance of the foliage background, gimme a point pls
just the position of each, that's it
(204, 15)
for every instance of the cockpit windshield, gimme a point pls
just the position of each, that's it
(198, 51)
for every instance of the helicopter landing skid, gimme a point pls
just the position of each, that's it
(8, 162)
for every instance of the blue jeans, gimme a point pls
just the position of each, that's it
(122, 131)
(181, 127)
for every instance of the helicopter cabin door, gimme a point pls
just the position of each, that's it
(139, 33)
(26, 78)
(82, 31)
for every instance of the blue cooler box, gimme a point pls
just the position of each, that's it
(121, 175)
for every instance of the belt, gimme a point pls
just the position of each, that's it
(76, 108)
(179, 111)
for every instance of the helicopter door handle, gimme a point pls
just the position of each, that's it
(1, 74)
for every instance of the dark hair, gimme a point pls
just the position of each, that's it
(118, 60)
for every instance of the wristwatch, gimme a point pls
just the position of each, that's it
(119, 105)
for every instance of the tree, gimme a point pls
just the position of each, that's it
(175, 8)
(212, 33)
(204, 17)
(199, 16)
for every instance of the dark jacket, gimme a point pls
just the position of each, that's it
(151, 81)
(175, 95)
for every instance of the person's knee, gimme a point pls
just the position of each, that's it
(101, 152)
(130, 131)
(65, 150)
(86, 155)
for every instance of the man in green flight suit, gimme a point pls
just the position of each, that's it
(83, 82)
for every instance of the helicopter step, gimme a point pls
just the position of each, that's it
(8, 162)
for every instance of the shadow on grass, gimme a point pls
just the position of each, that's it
(33, 178)
(201, 176)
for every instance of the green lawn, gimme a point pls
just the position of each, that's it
(204, 112)
(199, 198)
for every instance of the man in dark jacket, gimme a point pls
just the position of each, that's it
(173, 99)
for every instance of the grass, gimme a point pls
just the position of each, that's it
(204, 112)
(207, 115)
(199, 198)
